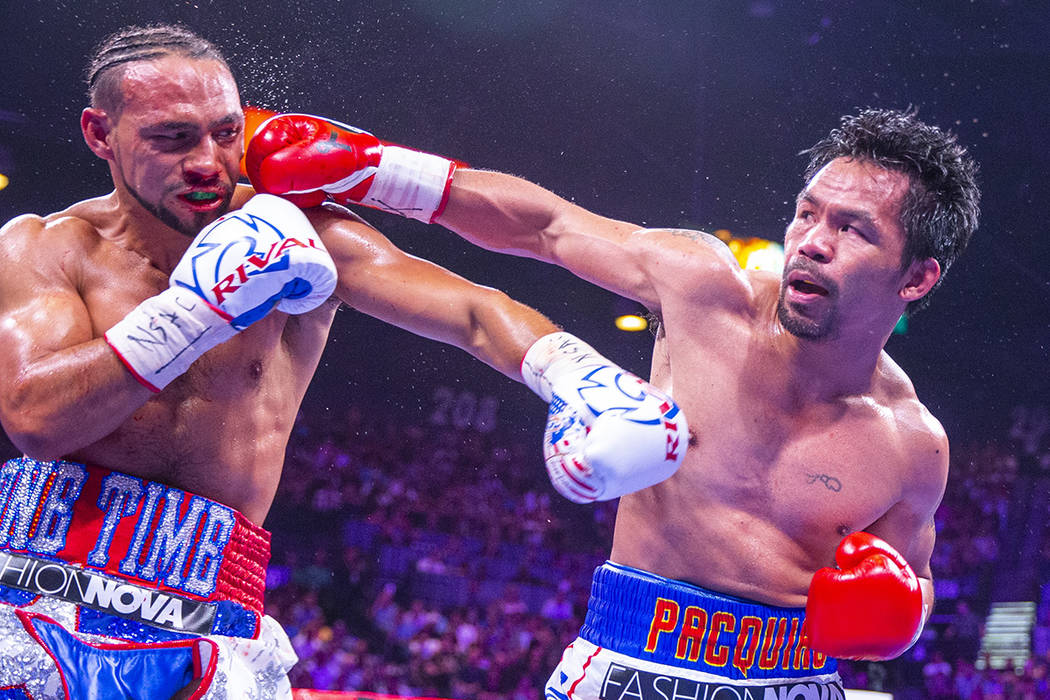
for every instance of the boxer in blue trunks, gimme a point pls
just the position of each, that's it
(155, 345)
(800, 526)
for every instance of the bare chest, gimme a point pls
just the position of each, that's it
(278, 348)
(806, 479)
(234, 407)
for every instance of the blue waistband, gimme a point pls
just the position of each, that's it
(657, 619)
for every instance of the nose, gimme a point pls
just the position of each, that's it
(818, 243)
(203, 164)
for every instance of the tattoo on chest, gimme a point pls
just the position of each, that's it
(830, 482)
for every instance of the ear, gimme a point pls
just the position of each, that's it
(920, 278)
(96, 127)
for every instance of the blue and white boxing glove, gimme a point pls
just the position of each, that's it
(609, 432)
(238, 269)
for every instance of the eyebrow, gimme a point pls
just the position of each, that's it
(175, 125)
(856, 214)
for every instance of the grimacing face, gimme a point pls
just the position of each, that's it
(843, 251)
(178, 140)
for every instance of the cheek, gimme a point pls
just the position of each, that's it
(150, 179)
(874, 284)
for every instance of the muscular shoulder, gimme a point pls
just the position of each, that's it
(919, 435)
(48, 247)
(693, 265)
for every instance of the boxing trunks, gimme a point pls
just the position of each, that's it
(112, 586)
(646, 637)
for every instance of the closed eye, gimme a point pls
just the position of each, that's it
(171, 140)
(226, 135)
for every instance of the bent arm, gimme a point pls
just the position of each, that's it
(379, 279)
(61, 388)
(909, 525)
(917, 554)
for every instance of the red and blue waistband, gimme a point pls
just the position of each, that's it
(132, 553)
(670, 622)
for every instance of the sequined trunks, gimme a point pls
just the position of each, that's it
(143, 561)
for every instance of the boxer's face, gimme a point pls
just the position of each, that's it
(843, 251)
(177, 142)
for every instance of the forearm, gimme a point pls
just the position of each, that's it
(926, 585)
(69, 400)
(505, 213)
(502, 330)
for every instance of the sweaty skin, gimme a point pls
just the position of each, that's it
(220, 429)
(798, 437)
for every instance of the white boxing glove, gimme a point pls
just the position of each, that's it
(609, 432)
(236, 271)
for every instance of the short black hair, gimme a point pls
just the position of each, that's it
(941, 208)
(135, 43)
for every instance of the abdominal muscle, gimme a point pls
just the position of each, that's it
(711, 545)
(221, 429)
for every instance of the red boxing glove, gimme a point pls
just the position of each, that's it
(307, 160)
(870, 607)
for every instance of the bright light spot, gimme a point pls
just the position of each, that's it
(631, 322)
(769, 258)
(3, 181)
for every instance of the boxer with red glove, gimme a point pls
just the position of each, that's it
(871, 607)
(307, 160)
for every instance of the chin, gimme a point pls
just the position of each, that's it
(803, 328)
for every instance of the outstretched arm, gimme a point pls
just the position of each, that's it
(379, 279)
(510, 215)
(308, 159)
(609, 432)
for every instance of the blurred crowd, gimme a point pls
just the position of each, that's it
(435, 560)
(427, 560)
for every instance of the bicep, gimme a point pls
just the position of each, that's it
(41, 312)
(504, 213)
(909, 525)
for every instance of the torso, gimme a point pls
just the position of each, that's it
(771, 483)
(220, 429)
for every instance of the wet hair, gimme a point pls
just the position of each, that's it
(105, 68)
(941, 207)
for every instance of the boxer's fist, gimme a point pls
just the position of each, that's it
(870, 607)
(234, 273)
(263, 255)
(308, 159)
(608, 433)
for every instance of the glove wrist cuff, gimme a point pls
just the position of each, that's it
(411, 183)
(161, 337)
(551, 357)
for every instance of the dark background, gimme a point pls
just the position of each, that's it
(663, 113)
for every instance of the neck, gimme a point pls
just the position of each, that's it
(827, 369)
(139, 230)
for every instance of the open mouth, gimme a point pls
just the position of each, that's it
(202, 200)
(804, 286)
(200, 197)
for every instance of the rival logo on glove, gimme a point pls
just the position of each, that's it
(669, 411)
(274, 260)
